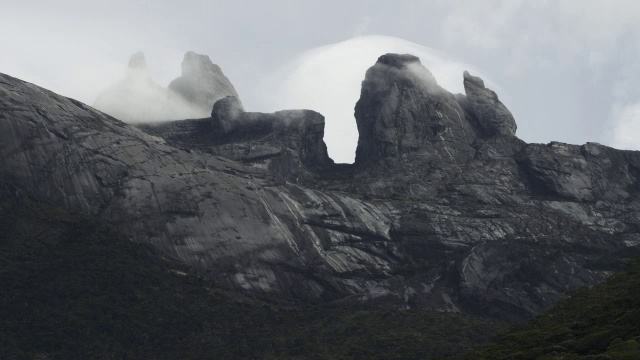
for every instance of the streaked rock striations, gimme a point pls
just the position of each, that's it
(445, 208)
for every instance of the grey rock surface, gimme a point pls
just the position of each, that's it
(403, 110)
(239, 224)
(486, 109)
(452, 220)
(202, 82)
(288, 143)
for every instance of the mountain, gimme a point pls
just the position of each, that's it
(74, 287)
(444, 208)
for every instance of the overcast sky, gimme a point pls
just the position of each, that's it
(567, 70)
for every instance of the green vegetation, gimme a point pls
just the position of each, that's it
(598, 323)
(74, 288)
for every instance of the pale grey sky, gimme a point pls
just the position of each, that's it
(567, 69)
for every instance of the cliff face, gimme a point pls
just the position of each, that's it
(485, 109)
(402, 110)
(445, 208)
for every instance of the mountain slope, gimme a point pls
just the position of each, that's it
(74, 287)
(598, 323)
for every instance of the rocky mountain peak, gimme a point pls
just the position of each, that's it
(402, 110)
(137, 61)
(227, 107)
(137, 78)
(489, 113)
(195, 64)
(444, 209)
(202, 82)
(398, 60)
(137, 98)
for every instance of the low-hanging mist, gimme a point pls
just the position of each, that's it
(326, 79)
(139, 99)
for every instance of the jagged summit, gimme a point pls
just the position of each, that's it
(475, 80)
(229, 106)
(403, 110)
(202, 82)
(484, 106)
(137, 61)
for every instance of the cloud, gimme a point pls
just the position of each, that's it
(626, 130)
(327, 79)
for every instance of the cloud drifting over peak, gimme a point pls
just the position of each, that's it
(327, 79)
(139, 99)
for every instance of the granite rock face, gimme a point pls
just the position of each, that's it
(436, 213)
(202, 82)
(242, 225)
(403, 110)
(288, 143)
(486, 109)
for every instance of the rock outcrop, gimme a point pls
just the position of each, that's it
(288, 143)
(202, 82)
(486, 109)
(438, 212)
(402, 110)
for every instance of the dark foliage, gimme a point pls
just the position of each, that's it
(602, 322)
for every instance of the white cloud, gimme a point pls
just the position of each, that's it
(327, 79)
(479, 24)
(626, 131)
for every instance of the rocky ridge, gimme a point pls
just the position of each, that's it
(289, 143)
(444, 208)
